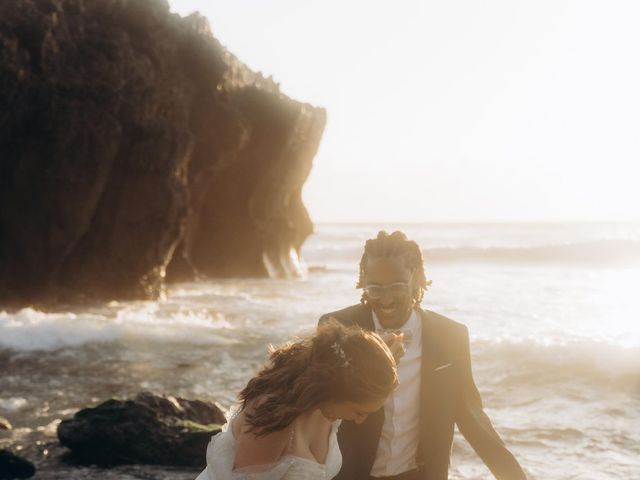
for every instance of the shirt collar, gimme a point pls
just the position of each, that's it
(409, 325)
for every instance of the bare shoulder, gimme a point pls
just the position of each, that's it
(257, 450)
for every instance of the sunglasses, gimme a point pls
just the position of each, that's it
(396, 289)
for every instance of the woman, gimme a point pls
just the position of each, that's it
(286, 426)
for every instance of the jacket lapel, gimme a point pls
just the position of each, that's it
(365, 318)
(436, 396)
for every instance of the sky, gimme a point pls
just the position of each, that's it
(455, 111)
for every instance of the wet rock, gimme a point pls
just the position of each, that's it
(12, 466)
(133, 142)
(149, 429)
(5, 424)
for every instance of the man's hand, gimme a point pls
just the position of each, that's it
(395, 342)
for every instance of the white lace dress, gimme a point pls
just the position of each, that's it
(221, 454)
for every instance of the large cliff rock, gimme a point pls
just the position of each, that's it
(132, 141)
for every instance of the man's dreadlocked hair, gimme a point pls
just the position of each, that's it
(396, 245)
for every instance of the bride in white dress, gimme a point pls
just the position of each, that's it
(287, 422)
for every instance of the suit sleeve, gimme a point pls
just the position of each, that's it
(324, 318)
(475, 425)
(336, 316)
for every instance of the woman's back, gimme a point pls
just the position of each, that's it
(297, 461)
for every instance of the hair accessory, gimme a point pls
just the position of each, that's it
(339, 351)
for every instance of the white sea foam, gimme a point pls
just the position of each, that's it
(12, 404)
(33, 330)
(29, 330)
(584, 358)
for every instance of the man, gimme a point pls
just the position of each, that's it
(410, 438)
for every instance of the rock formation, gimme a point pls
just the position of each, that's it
(132, 141)
(149, 429)
(12, 466)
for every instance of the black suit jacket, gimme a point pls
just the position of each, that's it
(448, 396)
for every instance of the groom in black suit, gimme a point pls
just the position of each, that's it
(410, 438)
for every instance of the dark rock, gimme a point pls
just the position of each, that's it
(5, 424)
(12, 466)
(130, 137)
(250, 219)
(149, 429)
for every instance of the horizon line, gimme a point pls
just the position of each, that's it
(477, 222)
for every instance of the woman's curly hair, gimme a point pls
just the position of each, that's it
(337, 364)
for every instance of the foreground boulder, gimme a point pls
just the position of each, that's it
(149, 429)
(131, 141)
(12, 466)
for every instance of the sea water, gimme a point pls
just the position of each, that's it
(552, 311)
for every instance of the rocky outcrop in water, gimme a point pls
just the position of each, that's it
(149, 429)
(131, 144)
(13, 466)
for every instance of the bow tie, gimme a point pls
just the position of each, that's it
(407, 335)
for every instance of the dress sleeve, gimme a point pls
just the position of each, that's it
(220, 458)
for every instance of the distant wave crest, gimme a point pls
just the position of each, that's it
(598, 251)
(532, 362)
(611, 252)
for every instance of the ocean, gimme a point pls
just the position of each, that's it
(552, 311)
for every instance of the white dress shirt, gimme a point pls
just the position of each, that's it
(401, 429)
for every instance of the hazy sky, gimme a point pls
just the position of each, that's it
(452, 110)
